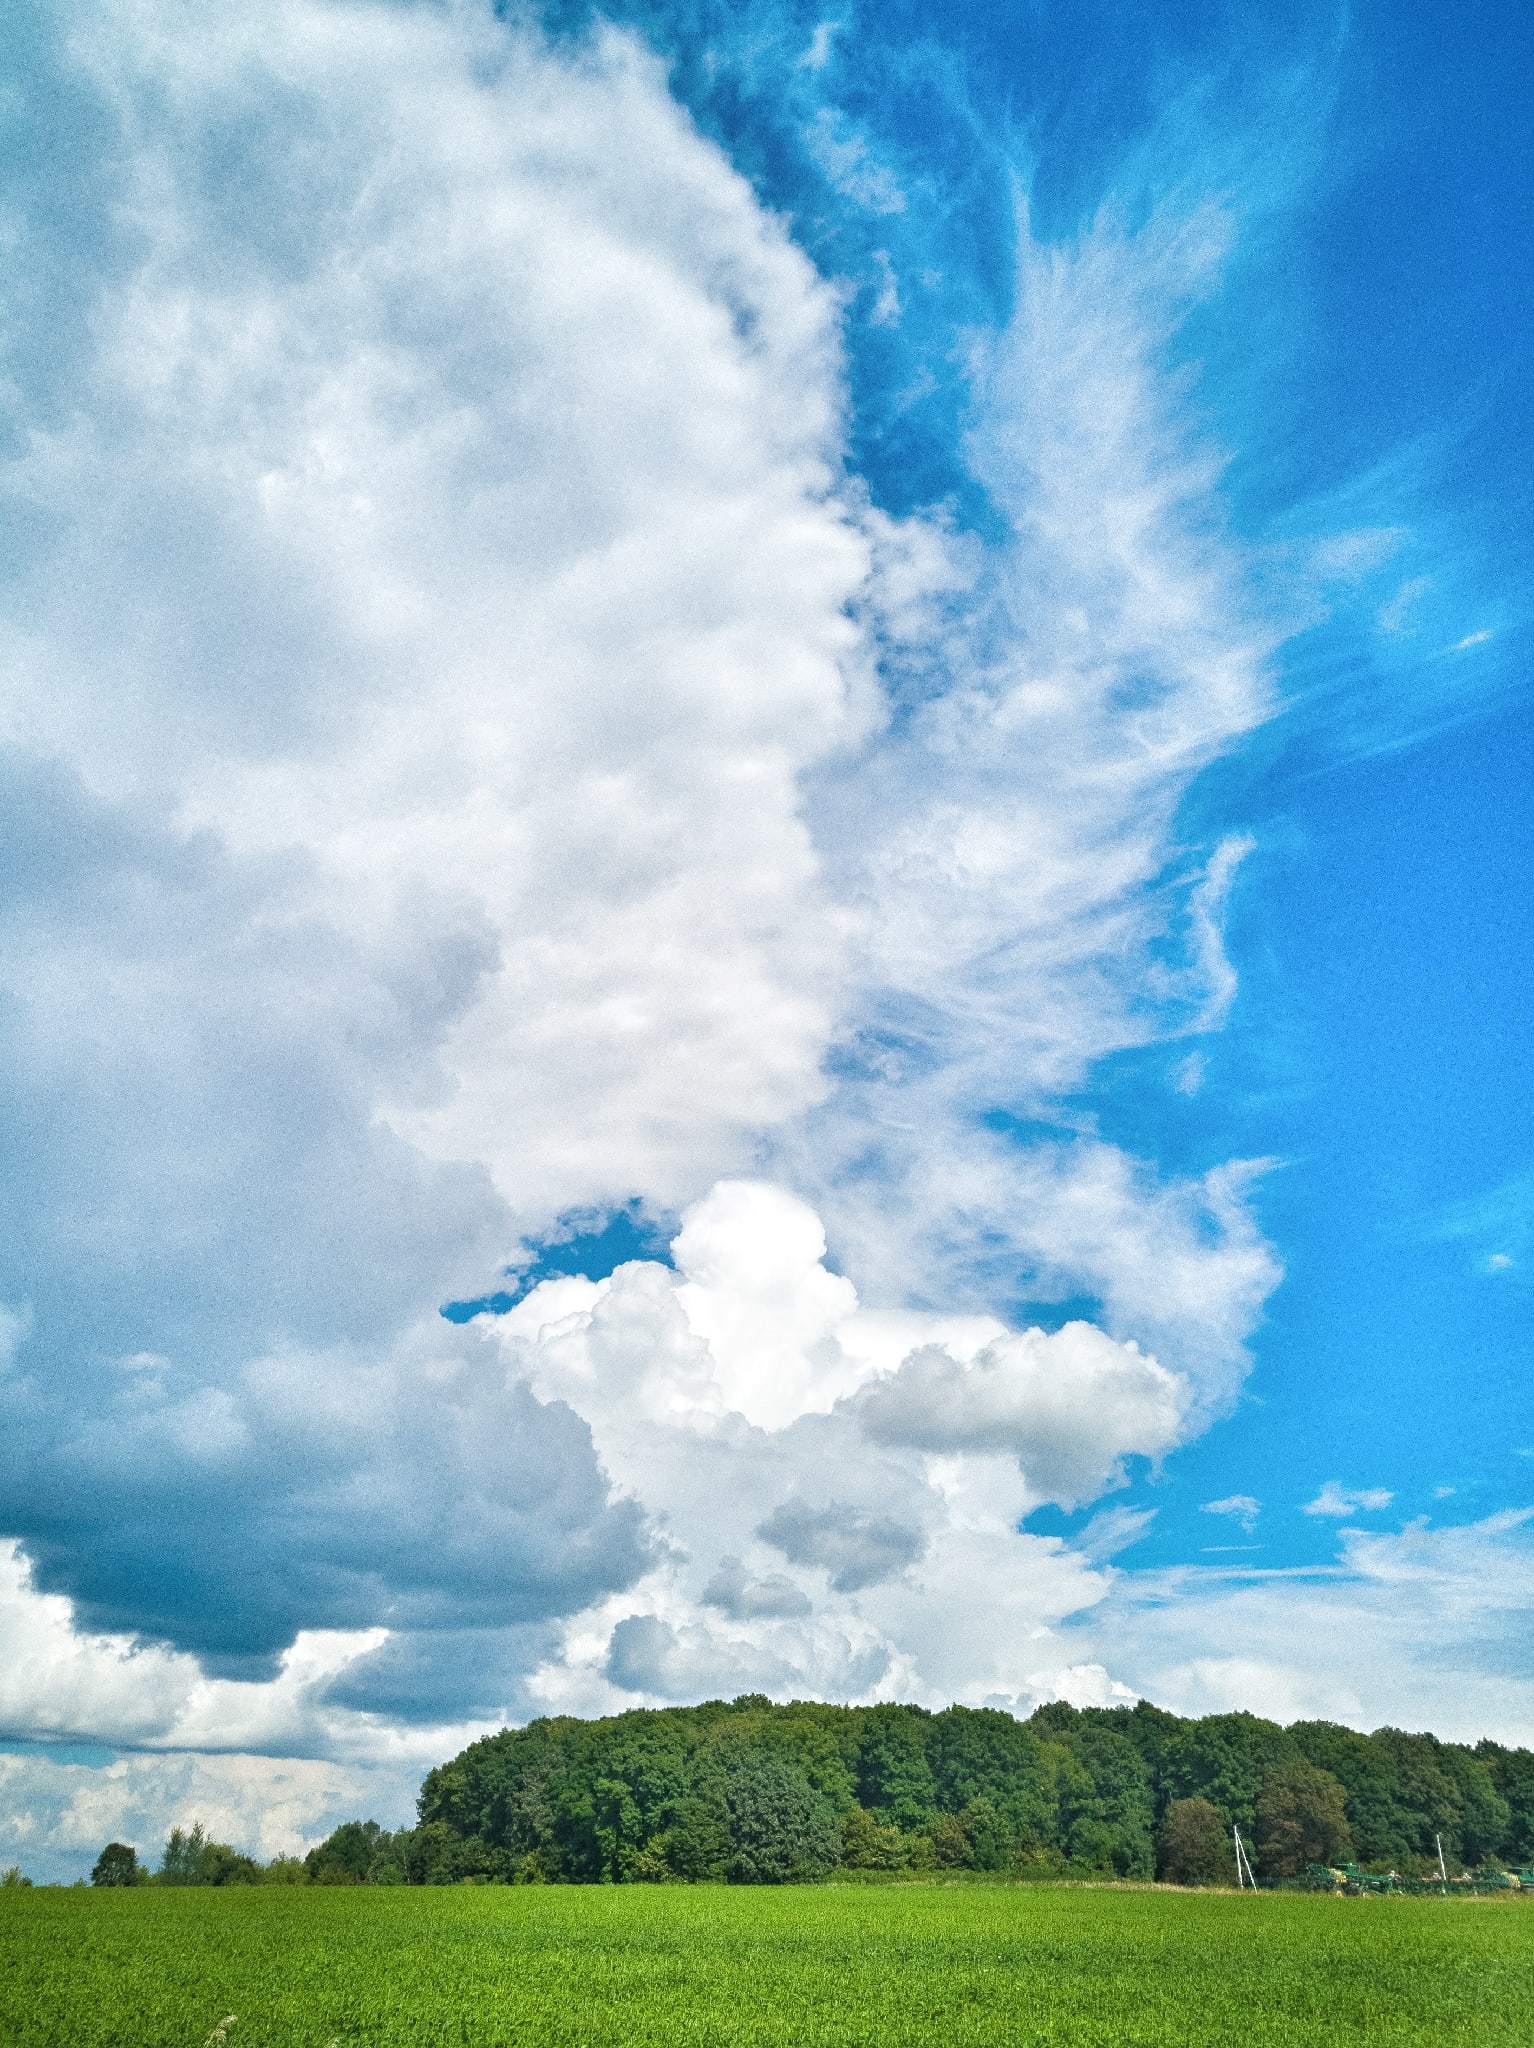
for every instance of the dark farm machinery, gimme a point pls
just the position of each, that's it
(1346, 1880)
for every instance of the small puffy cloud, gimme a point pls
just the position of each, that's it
(854, 1548)
(1340, 1501)
(817, 54)
(1068, 1406)
(1241, 1507)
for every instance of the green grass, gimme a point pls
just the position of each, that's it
(1056, 1966)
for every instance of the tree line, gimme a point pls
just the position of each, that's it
(358, 1852)
(749, 1792)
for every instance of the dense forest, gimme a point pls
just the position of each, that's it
(749, 1793)
(752, 1792)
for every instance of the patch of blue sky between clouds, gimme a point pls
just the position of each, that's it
(592, 1246)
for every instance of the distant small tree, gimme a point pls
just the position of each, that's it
(181, 1858)
(116, 1865)
(191, 1858)
(1192, 1846)
(285, 1870)
(950, 1842)
(357, 1852)
(221, 1864)
(1301, 1819)
(11, 1878)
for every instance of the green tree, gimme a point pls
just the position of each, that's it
(116, 1865)
(871, 1844)
(894, 1778)
(1379, 1814)
(1192, 1846)
(11, 1879)
(1481, 1831)
(1512, 1773)
(181, 1861)
(991, 1836)
(749, 1790)
(191, 1858)
(354, 1853)
(221, 1864)
(781, 1830)
(981, 1754)
(1223, 1759)
(1108, 1811)
(1301, 1819)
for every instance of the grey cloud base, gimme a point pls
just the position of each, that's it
(318, 1492)
(854, 1548)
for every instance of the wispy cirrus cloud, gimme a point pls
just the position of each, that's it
(1418, 1628)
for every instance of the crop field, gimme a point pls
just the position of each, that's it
(1050, 1966)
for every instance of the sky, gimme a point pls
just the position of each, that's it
(766, 917)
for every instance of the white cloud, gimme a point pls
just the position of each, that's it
(852, 167)
(55, 1817)
(441, 583)
(822, 1518)
(62, 1681)
(1111, 1530)
(1243, 1507)
(819, 52)
(1023, 905)
(585, 575)
(1069, 1407)
(1424, 1628)
(1341, 1501)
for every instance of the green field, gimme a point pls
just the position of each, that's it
(637, 1965)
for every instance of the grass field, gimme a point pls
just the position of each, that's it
(929, 1964)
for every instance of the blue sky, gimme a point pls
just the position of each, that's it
(823, 712)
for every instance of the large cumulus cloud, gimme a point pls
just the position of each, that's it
(435, 580)
(823, 1515)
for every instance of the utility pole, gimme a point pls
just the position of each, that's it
(1443, 1875)
(1243, 1863)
